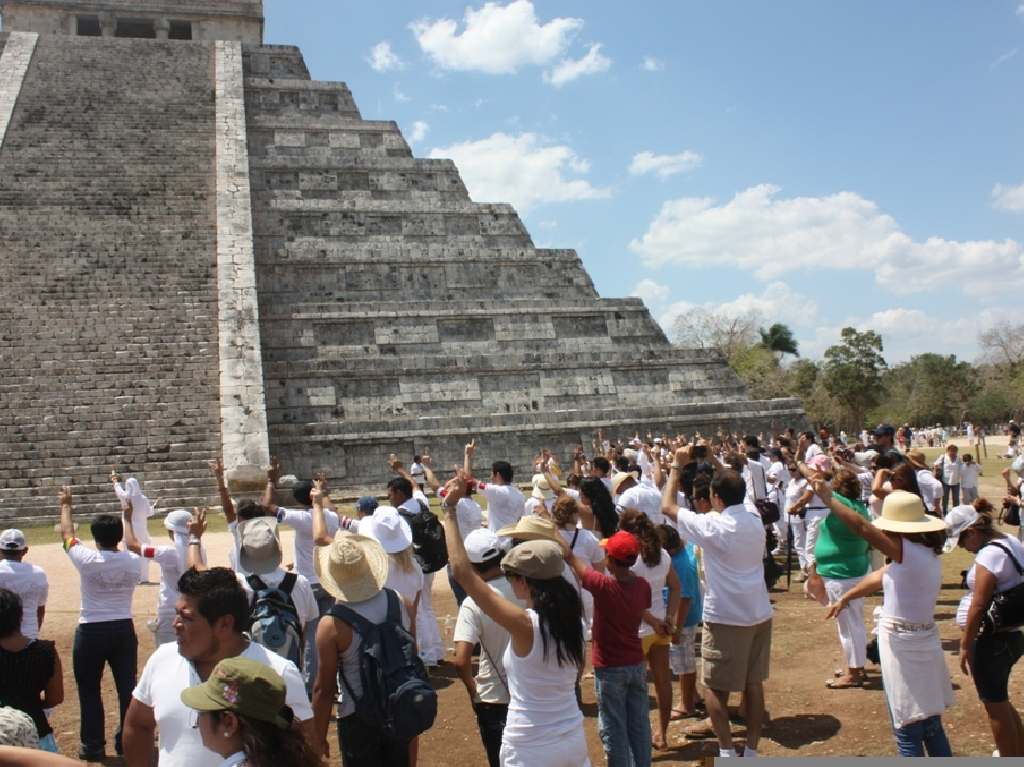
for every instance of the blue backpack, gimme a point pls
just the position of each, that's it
(397, 696)
(275, 619)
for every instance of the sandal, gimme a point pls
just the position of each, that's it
(680, 713)
(835, 684)
(699, 731)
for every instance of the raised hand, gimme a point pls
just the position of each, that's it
(198, 524)
(316, 494)
(394, 463)
(471, 447)
(425, 458)
(217, 467)
(65, 495)
(274, 470)
(455, 490)
(114, 476)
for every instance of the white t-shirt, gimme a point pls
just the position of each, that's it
(469, 515)
(301, 521)
(108, 579)
(643, 499)
(28, 582)
(167, 674)
(473, 626)
(302, 593)
(170, 573)
(656, 576)
(950, 469)
(417, 473)
(505, 504)
(996, 561)
(911, 587)
(931, 488)
(969, 476)
(408, 583)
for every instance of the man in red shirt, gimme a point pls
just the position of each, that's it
(621, 602)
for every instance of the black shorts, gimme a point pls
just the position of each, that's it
(994, 656)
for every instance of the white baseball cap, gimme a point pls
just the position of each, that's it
(957, 521)
(13, 540)
(482, 545)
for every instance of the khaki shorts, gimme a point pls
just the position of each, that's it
(735, 656)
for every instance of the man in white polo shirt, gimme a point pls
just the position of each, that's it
(736, 648)
(26, 580)
(488, 690)
(105, 633)
(211, 614)
(633, 494)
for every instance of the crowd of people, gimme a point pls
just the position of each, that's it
(619, 569)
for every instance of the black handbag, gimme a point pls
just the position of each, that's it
(769, 510)
(1007, 608)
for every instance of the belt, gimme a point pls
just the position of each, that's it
(897, 625)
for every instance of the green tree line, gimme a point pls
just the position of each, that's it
(853, 386)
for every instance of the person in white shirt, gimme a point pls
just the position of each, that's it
(405, 498)
(505, 503)
(488, 689)
(736, 648)
(969, 474)
(542, 498)
(131, 494)
(417, 473)
(243, 718)
(173, 561)
(928, 487)
(26, 580)
(631, 494)
(211, 614)
(404, 573)
(778, 478)
(105, 633)
(950, 466)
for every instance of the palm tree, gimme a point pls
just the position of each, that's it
(779, 338)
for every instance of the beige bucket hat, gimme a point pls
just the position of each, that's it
(903, 512)
(353, 568)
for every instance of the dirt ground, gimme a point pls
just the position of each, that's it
(806, 719)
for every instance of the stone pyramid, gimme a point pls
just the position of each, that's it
(203, 250)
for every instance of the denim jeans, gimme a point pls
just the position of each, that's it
(946, 490)
(623, 715)
(490, 717)
(926, 735)
(457, 590)
(110, 643)
(324, 602)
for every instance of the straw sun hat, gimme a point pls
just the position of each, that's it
(541, 488)
(903, 512)
(353, 568)
(531, 528)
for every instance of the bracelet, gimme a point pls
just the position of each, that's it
(193, 541)
(674, 467)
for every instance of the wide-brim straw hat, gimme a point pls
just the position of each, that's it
(904, 512)
(531, 528)
(353, 568)
(621, 477)
(917, 459)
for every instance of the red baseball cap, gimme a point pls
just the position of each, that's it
(622, 546)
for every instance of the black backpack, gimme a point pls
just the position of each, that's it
(428, 541)
(397, 696)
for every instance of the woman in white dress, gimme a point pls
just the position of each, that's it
(544, 727)
(914, 673)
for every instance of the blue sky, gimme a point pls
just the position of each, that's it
(822, 163)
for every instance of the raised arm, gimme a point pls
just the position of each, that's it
(131, 542)
(67, 525)
(509, 616)
(273, 475)
(467, 459)
(217, 468)
(428, 473)
(321, 536)
(670, 493)
(196, 528)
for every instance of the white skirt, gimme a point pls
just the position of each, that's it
(914, 673)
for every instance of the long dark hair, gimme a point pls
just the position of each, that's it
(905, 477)
(560, 610)
(638, 523)
(934, 540)
(267, 745)
(593, 489)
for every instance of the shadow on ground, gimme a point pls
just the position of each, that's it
(792, 732)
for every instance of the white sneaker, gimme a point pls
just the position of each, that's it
(995, 754)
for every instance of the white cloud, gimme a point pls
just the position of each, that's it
(568, 70)
(419, 132)
(400, 96)
(767, 235)
(521, 169)
(1020, 9)
(1006, 197)
(1003, 58)
(496, 39)
(439, 108)
(383, 59)
(653, 293)
(651, 64)
(664, 165)
(776, 303)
